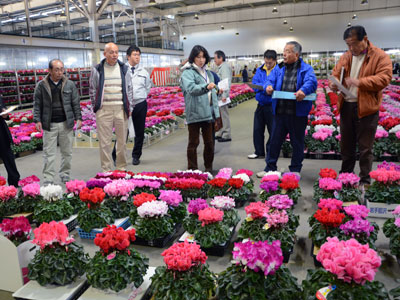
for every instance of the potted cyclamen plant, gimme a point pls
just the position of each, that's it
(60, 261)
(73, 188)
(257, 273)
(348, 272)
(138, 200)
(153, 221)
(117, 265)
(227, 205)
(327, 188)
(273, 183)
(212, 231)
(8, 201)
(386, 185)
(118, 197)
(238, 191)
(391, 229)
(94, 215)
(350, 191)
(270, 221)
(186, 275)
(191, 221)
(53, 207)
(30, 196)
(16, 230)
(177, 208)
(190, 188)
(217, 187)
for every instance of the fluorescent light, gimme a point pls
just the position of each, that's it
(43, 58)
(2, 63)
(274, 10)
(393, 51)
(52, 11)
(314, 55)
(338, 53)
(8, 21)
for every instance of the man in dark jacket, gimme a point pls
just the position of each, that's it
(245, 74)
(290, 116)
(55, 108)
(263, 115)
(6, 153)
(111, 94)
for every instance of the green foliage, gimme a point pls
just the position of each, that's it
(46, 211)
(319, 278)
(75, 202)
(378, 192)
(89, 219)
(240, 195)
(392, 232)
(120, 209)
(23, 146)
(133, 214)
(327, 145)
(191, 222)
(395, 293)
(214, 191)
(198, 283)
(60, 265)
(150, 229)
(117, 273)
(231, 217)
(393, 146)
(213, 234)
(10, 207)
(235, 284)
(349, 194)
(321, 194)
(178, 213)
(380, 147)
(255, 231)
(319, 233)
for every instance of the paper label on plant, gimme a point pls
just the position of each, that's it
(70, 195)
(323, 293)
(283, 192)
(249, 219)
(134, 293)
(266, 226)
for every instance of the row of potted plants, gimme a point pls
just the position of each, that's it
(256, 271)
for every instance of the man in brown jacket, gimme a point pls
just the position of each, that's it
(366, 71)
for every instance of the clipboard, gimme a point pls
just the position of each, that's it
(291, 96)
(255, 86)
(341, 88)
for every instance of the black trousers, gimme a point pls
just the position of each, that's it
(139, 121)
(7, 156)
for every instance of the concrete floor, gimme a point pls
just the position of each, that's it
(170, 155)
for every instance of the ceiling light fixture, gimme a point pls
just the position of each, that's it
(108, 16)
(222, 27)
(63, 15)
(291, 29)
(285, 22)
(349, 24)
(123, 27)
(274, 10)
(364, 2)
(196, 16)
(152, 2)
(354, 17)
(184, 37)
(237, 33)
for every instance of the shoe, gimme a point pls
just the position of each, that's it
(222, 140)
(254, 156)
(47, 183)
(65, 179)
(261, 174)
(135, 161)
(217, 138)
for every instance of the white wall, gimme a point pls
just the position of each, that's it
(316, 32)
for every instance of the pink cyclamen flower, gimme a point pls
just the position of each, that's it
(349, 179)
(225, 173)
(279, 202)
(7, 192)
(277, 217)
(357, 211)
(75, 186)
(172, 198)
(330, 203)
(31, 190)
(329, 184)
(381, 133)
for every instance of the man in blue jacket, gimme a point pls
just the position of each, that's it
(290, 116)
(263, 114)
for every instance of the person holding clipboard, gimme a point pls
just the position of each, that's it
(363, 72)
(290, 116)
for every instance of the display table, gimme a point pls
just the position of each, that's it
(34, 291)
(127, 294)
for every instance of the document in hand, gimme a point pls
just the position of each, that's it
(224, 84)
(291, 96)
(8, 110)
(341, 88)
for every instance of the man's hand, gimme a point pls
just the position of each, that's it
(300, 95)
(333, 86)
(130, 114)
(269, 90)
(223, 100)
(210, 86)
(220, 91)
(352, 82)
(39, 126)
(6, 115)
(78, 124)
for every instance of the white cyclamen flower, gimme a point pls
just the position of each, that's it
(51, 192)
(153, 209)
(243, 176)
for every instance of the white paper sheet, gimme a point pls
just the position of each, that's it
(224, 84)
(220, 103)
(341, 88)
(8, 110)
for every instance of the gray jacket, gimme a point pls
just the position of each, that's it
(141, 84)
(224, 71)
(96, 87)
(42, 102)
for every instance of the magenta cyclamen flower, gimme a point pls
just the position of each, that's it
(349, 260)
(396, 212)
(330, 203)
(357, 226)
(225, 173)
(380, 133)
(357, 211)
(31, 190)
(269, 186)
(196, 205)
(279, 202)
(349, 179)
(139, 183)
(7, 192)
(389, 166)
(259, 256)
(119, 188)
(329, 184)
(101, 183)
(397, 222)
(173, 198)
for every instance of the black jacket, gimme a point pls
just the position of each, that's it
(42, 103)
(5, 134)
